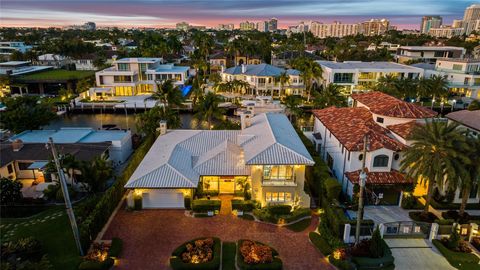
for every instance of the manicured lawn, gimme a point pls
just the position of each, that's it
(58, 74)
(229, 250)
(462, 261)
(52, 229)
(299, 226)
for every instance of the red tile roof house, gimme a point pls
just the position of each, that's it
(387, 122)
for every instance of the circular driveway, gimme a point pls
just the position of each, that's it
(149, 237)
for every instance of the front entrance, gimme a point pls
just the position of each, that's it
(227, 185)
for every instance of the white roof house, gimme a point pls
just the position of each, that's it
(179, 158)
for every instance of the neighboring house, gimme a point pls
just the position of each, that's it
(463, 75)
(55, 60)
(8, 47)
(218, 60)
(247, 60)
(27, 162)
(119, 151)
(339, 133)
(136, 76)
(263, 79)
(428, 54)
(267, 152)
(356, 75)
(13, 68)
(84, 62)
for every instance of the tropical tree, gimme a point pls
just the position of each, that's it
(240, 86)
(10, 191)
(71, 165)
(474, 105)
(310, 72)
(215, 78)
(330, 96)
(292, 103)
(472, 176)
(397, 87)
(224, 87)
(436, 156)
(435, 86)
(168, 94)
(96, 173)
(283, 79)
(207, 109)
(148, 122)
(26, 113)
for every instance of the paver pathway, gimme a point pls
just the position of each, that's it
(226, 206)
(150, 236)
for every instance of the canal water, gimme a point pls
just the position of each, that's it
(121, 121)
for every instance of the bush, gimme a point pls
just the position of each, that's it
(276, 264)
(332, 188)
(188, 202)
(244, 205)
(115, 248)
(455, 215)
(137, 202)
(411, 202)
(341, 264)
(59, 195)
(328, 235)
(422, 216)
(205, 205)
(384, 262)
(319, 242)
(96, 265)
(27, 248)
(229, 250)
(177, 264)
(457, 259)
(279, 209)
(51, 191)
(444, 221)
(266, 215)
(296, 214)
(376, 244)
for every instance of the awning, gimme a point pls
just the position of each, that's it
(37, 165)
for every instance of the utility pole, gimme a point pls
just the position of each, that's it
(363, 179)
(66, 196)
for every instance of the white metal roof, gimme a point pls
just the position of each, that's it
(178, 158)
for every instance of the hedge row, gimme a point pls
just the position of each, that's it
(205, 205)
(457, 259)
(266, 215)
(246, 206)
(322, 244)
(453, 206)
(277, 264)
(229, 251)
(177, 264)
(385, 262)
(94, 222)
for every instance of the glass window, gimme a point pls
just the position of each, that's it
(123, 67)
(379, 119)
(278, 172)
(210, 182)
(343, 77)
(380, 161)
(24, 165)
(278, 197)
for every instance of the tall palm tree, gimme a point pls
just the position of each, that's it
(283, 79)
(168, 94)
(330, 96)
(292, 103)
(310, 72)
(208, 110)
(224, 87)
(438, 87)
(435, 156)
(240, 86)
(472, 176)
(71, 165)
(387, 84)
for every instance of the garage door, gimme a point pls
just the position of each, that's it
(163, 198)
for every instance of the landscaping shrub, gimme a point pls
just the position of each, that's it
(296, 214)
(177, 263)
(21, 249)
(332, 188)
(205, 205)
(137, 202)
(453, 206)
(266, 215)
(188, 202)
(422, 216)
(115, 248)
(279, 209)
(411, 202)
(319, 242)
(476, 243)
(455, 215)
(96, 265)
(51, 191)
(243, 205)
(59, 194)
(327, 233)
(457, 259)
(265, 257)
(229, 250)
(384, 262)
(376, 244)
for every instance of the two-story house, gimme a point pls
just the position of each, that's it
(263, 79)
(385, 122)
(267, 153)
(136, 76)
(428, 54)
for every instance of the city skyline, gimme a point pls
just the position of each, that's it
(405, 14)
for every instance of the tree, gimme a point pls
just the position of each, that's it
(148, 122)
(71, 165)
(83, 85)
(282, 79)
(330, 96)
(310, 71)
(376, 244)
(472, 176)
(214, 78)
(435, 86)
(96, 173)
(26, 113)
(240, 86)
(474, 105)
(168, 94)
(436, 156)
(292, 103)
(10, 191)
(207, 109)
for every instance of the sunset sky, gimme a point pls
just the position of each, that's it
(157, 13)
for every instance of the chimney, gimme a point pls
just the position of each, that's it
(163, 127)
(17, 145)
(244, 68)
(245, 119)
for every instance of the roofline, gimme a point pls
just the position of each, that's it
(462, 123)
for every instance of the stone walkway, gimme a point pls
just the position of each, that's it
(226, 206)
(8, 230)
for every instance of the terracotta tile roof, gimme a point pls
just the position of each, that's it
(404, 130)
(392, 177)
(383, 104)
(350, 125)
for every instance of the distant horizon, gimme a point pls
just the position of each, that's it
(404, 14)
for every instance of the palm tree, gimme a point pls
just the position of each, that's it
(282, 79)
(147, 122)
(436, 156)
(240, 86)
(330, 96)
(292, 103)
(96, 173)
(207, 109)
(71, 165)
(168, 94)
(224, 87)
(437, 87)
(310, 71)
(472, 176)
(387, 84)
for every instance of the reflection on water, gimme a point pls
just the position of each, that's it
(120, 120)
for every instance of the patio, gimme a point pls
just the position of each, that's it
(149, 237)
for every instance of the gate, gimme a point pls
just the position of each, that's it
(406, 229)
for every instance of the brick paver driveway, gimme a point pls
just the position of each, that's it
(149, 237)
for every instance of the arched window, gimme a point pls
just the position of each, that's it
(380, 161)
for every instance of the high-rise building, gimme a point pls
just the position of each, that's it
(273, 25)
(228, 27)
(472, 13)
(90, 26)
(335, 29)
(430, 22)
(247, 26)
(262, 26)
(457, 23)
(374, 27)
